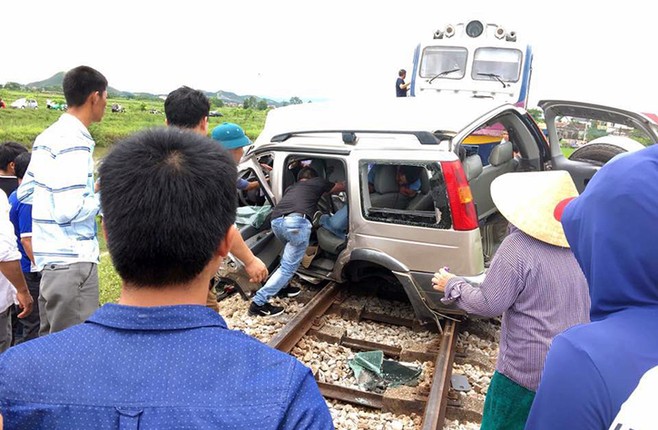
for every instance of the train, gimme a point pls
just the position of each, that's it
(473, 59)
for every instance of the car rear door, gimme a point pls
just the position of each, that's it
(575, 123)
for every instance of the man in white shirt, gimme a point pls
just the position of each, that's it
(60, 185)
(10, 267)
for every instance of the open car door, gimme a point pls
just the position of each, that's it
(253, 221)
(595, 133)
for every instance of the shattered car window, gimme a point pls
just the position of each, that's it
(405, 193)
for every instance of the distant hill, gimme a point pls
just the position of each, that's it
(54, 83)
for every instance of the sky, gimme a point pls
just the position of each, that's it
(330, 50)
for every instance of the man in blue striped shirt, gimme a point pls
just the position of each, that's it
(60, 185)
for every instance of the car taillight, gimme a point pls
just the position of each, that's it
(464, 216)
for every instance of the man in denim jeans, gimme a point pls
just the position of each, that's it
(291, 223)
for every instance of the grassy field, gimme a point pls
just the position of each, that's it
(109, 281)
(24, 125)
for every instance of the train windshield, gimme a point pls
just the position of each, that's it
(443, 62)
(497, 63)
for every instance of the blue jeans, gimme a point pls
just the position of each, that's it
(294, 231)
(336, 223)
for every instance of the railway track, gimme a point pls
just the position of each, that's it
(431, 404)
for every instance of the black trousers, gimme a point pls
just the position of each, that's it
(24, 329)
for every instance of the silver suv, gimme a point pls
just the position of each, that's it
(454, 153)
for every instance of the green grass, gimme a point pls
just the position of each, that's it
(109, 281)
(567, 151)
(24, 125)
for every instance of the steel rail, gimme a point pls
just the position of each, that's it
(437, 401)
(286, 339)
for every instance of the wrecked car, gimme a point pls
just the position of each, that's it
(450, 218)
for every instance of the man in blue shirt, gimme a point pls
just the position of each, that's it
(20, 216)
(400, 87)
(159, 358)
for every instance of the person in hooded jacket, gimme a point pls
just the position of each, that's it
(593, 369)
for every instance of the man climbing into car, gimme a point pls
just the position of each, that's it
(292, 224)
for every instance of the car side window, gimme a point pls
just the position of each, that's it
(409, 193)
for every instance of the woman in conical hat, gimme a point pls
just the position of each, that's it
(534, 282)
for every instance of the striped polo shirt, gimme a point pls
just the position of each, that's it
(59, 183)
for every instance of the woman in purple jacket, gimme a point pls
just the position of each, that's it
(534, 282)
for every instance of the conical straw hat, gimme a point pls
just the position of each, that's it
(529, 201)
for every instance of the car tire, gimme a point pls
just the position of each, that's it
(598, 154)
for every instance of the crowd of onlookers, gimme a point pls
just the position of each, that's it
(574, 281)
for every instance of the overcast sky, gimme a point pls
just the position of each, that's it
(323, 50)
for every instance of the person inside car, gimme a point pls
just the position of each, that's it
(409, 180)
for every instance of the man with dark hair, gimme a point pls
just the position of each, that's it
(59, 184)
(169, 203)
(8, 153)
(20, 216)
(291, 223)
(408, 178)
(400, 87)
(188, 109)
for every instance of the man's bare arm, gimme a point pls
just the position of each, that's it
(338, 187)
(253, 265)
(14, 274)
(27, 246)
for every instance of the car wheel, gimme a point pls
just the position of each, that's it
(598, 154)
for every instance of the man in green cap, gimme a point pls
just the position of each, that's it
(231, 137)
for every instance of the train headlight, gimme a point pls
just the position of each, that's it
(450, 31)
(474, 28)
(500, 32)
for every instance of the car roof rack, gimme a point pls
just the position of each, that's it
(350, 138)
